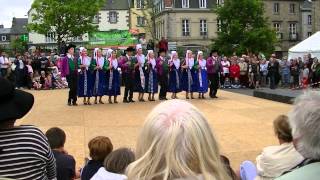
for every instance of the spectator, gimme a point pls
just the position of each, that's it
(163, 44)
(36, 63)
(235, 74)
(315, 69)
(150, 45)
(285, 72)
(43, 79)
(273, 71)
(48, 82)
(295, 72)
(100, 147)
(44, 62)
(4, 65)
(243, 72)
(304, 119)
(263, 72)
(65, 163)
(36, 81)
(115, 165)
(20, 72)
(305, 76)
(29, 74)
(275, 160)
(225, 67)
(24, 150)
(176, 142)
(254, 73)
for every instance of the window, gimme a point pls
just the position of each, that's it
(95, 19)
(293, 28)
(309, 20)
(220, 2)
(141, 21)
(113, 17)
(309, 34)
(219, 24)
(292, 8)
(3, 38)
(277, 27)
(276, 8)
(50, 37)
(203, 3)
(185, 27)
(203, 27)
(185, 3)
(140, 4)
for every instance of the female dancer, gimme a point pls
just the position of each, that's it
(140, 73)
(174, 75)
(99, 67)
(189, 75)
(113, 86)
(85, 77)
(203, 77)
(152, 80)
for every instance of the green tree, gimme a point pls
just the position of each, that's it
(64, 18)
(244, 29)
(19, 46)
(149, 14)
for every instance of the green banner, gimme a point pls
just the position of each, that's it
(112, 38)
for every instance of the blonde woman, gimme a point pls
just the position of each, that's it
(176, 142)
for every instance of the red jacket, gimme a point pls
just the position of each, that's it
(234, 71)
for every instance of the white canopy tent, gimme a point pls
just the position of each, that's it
(310, 45)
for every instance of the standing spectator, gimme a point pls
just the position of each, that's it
(100, 147)
(150, 45)
(285, 72)
(66, 165)
(301, 67)
(295, 72)
(273, 71)
(29, 74)
(24, 150)
(263, 72)
(20, 72)
(4, 65)
(225, 63)
(44, 62)
(304, 119)
(243, 72)
(143, 42)
(36, 63)
(315, 69)
(305, 76)
(163, 44)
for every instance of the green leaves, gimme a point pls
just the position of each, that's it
(244, 28)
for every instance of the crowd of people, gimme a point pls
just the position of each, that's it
(175, 143)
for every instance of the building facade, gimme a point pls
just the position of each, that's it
(140, 18)
(316, 15)
(5, 35)
(186, 23)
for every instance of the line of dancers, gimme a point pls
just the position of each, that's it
(100, 75)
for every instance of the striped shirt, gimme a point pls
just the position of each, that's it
(25, 154)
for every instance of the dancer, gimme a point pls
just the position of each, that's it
(203, 77)
(127, 64)
(152, 80)
(213, 68)
(69, 70)
(99, 66)
(189, 75)
(140, 73)
(163, 71)
(85, 77)
(113, 85)
(175, 74)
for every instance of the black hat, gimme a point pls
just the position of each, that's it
(162, 50)
(129, 49)
(14, 104)
(70, 46)
(213, 51)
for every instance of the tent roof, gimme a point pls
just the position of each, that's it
(309, 45)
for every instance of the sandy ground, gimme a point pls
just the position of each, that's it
(242, 124)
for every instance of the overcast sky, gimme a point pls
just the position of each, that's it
(13, 8)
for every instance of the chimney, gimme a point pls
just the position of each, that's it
(168, 3)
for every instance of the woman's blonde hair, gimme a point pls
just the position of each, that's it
(175, 142)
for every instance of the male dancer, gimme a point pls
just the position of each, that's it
(127, 64)
(69, 69)
(214, 68)
(163, 73)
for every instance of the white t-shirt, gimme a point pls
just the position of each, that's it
(103, 174)
(3, 61)
(226, 66)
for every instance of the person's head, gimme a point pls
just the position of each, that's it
(176, 141)
(43, 73)
(139, 49)
(100, 147)
(129, 51)
(214, 53)
(282, 129)
(309, 56)
(150, 54)
(189, 54)
(83, 51)
(174, 55)
(162, 52)
(304, 119)
(162, 38)
(315, 60)
(200, 55)
(56, 137)
(70, 49)
(114, 55)
(118, 160)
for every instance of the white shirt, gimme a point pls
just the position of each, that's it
(3, 61)
(275, 160)
(190, 63)
(141, 59)
(153, 63)
(85, 61)
(114, 63)
(203, 63)
(225, 65)
(103, 174)
(100, 61)
(176, 63)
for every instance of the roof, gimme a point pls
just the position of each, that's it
(307, 4)
(5, 30)
(309, 45)
(19, 26)
(116, 5)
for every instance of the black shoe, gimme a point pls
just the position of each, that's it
(132, 101)
(69, 103)
(125, 101)
(74, 104)
(215, 97)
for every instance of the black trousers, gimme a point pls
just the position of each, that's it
(20, 78)
(163, 81)
(129, 86)
(73, 87)
(4, 72)
(214, 84)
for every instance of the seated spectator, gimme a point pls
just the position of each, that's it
(176, 142)
(24, 150)
(275, 160)
(305, 122)
(43, 79)
(100, 147)
(235, 74)
(115, 165)
(36, 81)
(48, 82)
(65, 163)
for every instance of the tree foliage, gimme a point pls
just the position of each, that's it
(244, 28)
(19, 46)
(149, 14)
(65, 18)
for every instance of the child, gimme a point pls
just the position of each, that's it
(66, 164)
(305, 76)
(36, 81)
(115, 165)
(234, 73)
(227, 83)
(100, 147)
